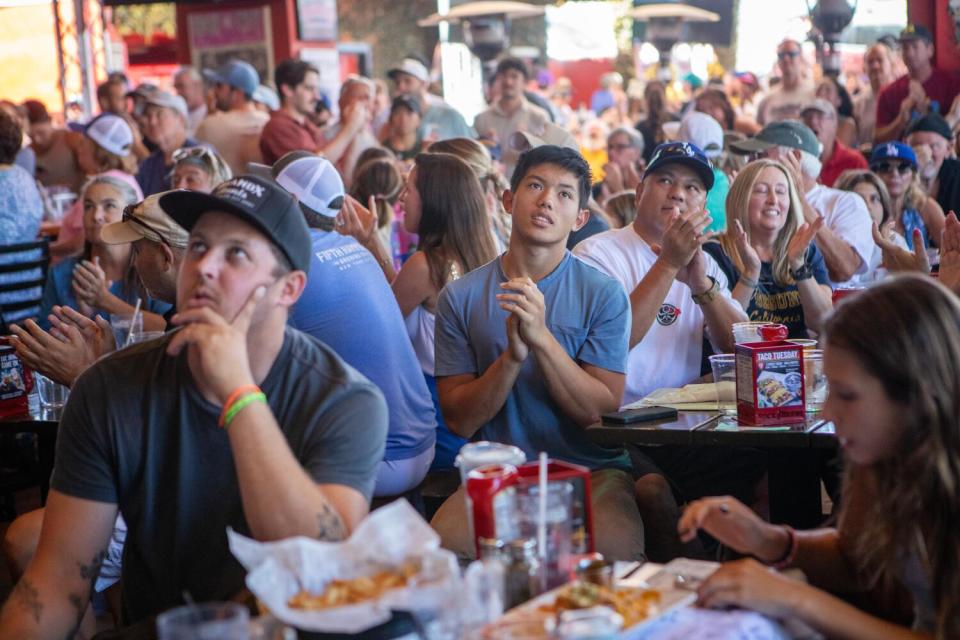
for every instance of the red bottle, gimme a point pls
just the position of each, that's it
(483, 485)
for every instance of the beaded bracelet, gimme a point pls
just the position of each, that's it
(793, 545)
(240, 405)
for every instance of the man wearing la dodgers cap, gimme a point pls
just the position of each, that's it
(348, 305)
(234, 129)
(233, 420)
(678, 294)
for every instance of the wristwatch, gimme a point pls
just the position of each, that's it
(710, 294)
(805, 272)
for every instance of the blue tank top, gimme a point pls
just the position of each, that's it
(911, 220)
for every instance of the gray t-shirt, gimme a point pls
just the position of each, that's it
(589, 315)
(137, 433)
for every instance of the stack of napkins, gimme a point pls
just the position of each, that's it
(692, 397)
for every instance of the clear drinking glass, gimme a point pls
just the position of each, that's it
(555, 570)
(53, 395)
(144, 336)
(814, 381)
(123, 324)
(747, 331)
(207, 621)
(724, 368)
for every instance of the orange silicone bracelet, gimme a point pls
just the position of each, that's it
(234, 395)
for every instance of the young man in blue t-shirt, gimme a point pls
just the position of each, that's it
(531, 349)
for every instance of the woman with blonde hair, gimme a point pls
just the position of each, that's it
(776, 272)
(891, 359)
(199, 168)
(916, 214)
(621, 208)
(493, 184)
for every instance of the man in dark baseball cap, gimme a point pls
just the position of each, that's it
(232, 420)
(932, 140)
(923, 89)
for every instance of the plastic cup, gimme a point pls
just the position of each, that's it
(53, 395)
(724, 368)
(207, 621)
(144, 336)
(122, 324)
(480, 454)
(747, 331)
(814, 381)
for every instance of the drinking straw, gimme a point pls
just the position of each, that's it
(542, 519)
(133, 324)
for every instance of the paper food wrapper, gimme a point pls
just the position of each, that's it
(389, 537)
(691, 394)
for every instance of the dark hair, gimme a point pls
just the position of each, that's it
(516, 64)
(36, 111)
(380, 179)
(291, 73)
(103, 90)
(845, 109)
(655, 95)
(11, 137)
(374, 153)
(905, 332)
(566, 159)
(454, 225)
(719, 98)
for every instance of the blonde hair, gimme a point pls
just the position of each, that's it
(738, 208)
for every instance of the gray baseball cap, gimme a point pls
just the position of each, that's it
(786, 133)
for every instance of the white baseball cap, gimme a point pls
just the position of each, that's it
(112, 133)
(412, 67)
(703, 131)
(313, 180)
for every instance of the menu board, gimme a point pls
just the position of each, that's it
(224, 34)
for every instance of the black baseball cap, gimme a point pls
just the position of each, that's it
(255, 200)
(407, 102)
(932, 122)
(915, 32)
(685, 153)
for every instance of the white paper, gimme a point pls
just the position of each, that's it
(389, 537)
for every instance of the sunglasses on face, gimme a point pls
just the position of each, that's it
(129, 217)
(787, 54)
(887, 167)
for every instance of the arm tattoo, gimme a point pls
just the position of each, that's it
(89, 573)
(28, 597)
(330, 525)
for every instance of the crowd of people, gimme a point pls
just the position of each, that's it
(347, 301)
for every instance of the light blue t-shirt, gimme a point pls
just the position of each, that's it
(444, 122)
(589, 315)
(59, 291)
(348, 305)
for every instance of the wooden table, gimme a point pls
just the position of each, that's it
(795, 453)
(44, 423)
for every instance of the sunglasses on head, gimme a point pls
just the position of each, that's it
(787, 54)
(184, 153)
(886, 167)
(129, 217)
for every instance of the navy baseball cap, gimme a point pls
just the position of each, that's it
(237, 74)
(893, 151)
(933, 123)
(685, 153)
(916, 32)
(258, 201)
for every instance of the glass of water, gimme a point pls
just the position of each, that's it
(53, 395)
(206, 621)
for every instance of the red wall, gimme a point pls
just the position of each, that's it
(584, 76)
(934, 15)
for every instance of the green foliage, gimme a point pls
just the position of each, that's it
(146, 19)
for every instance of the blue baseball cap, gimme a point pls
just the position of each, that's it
(237, 74)
(685, 153)
(893, 151)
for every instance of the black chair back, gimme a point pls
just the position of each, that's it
(23, 274)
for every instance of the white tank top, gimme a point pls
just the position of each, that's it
(420, 324)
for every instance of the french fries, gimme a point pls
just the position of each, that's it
(344, 592)
(634, 605)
